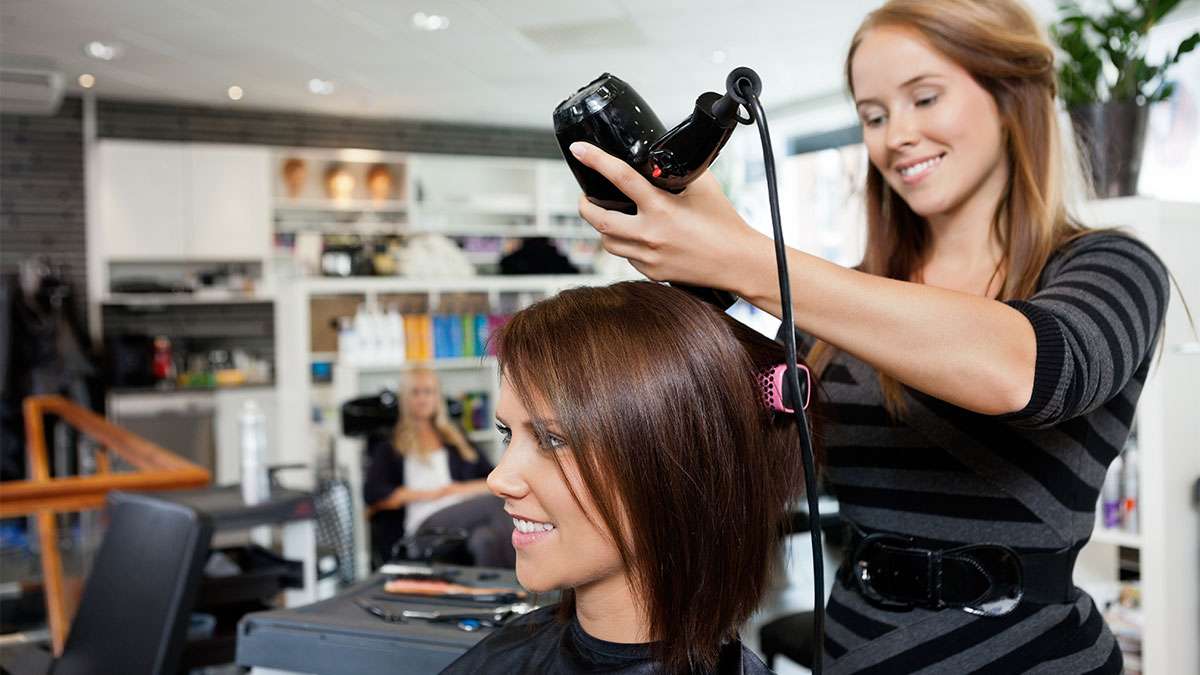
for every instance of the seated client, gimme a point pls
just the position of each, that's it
(647, 481)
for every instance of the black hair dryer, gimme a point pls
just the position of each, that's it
(609, 114)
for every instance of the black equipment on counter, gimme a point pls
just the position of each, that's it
(368, 414)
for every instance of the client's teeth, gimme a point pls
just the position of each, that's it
(529, 527)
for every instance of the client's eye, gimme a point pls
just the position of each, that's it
(550, 442)
(505, 434)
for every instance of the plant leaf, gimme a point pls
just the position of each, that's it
(1157, 9)
(1186, 46)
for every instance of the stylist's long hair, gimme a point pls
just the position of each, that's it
(999, 43)
(657, 397)
(404, 437)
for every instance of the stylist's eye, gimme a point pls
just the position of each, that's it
(873, 121)
(926, 101)
(505, 434)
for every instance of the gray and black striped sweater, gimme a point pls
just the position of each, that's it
(1029, 480)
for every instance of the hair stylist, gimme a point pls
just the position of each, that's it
(982, 363)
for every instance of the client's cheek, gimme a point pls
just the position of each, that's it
(539, 573)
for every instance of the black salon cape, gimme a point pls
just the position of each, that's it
(539, 643)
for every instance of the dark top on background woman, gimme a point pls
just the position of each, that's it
(540, 643)
(1028, 480)
(386, 472)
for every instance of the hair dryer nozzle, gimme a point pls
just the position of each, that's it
(741, 83)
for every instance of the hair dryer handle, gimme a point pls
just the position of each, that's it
(683, 153)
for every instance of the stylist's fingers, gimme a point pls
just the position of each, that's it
(622, 248)
(642, 259)
(620, 174)
(606, 221)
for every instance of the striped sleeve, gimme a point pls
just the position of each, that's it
(1096, 318)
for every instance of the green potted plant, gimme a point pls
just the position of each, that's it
(1108, 85)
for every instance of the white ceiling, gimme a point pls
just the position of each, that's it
(500, 62)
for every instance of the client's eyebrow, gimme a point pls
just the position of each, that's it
(537, 424)
(542, 424)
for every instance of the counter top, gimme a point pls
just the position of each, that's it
(338, 637)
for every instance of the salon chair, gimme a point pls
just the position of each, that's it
(136, 605)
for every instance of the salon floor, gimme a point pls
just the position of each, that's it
(791, 592)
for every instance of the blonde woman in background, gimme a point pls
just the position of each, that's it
(426, 476)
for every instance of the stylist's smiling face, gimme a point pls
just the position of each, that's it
(558, 545)
(932, 131)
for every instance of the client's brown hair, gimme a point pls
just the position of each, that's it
(655, 394)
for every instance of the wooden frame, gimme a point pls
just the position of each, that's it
(156, 468)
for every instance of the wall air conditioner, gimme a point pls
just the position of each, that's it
(29, 85)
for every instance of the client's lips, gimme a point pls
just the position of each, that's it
(527, 532)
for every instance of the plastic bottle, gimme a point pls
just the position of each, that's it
(363, 338)
(1129, 492)
(395, 335)
(256, 487)
(379, 330)
(347, 340)
(1110, 495)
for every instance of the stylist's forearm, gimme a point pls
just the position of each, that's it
(973, 352)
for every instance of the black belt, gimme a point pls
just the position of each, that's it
(985, 579)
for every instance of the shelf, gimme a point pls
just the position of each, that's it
(156, 299)
(510, 231)
(403, 229)
(173, 390)
(463, 363)
(500, 206)
(357, 228)
(483, 257)
(363, 205)
(478, 284)
(1116, 538)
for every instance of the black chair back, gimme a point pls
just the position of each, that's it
(137, 601)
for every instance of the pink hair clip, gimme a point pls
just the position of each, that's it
(773, 391)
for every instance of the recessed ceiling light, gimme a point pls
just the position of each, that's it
(718, 56)
(235, 92)
(430, 22)
(102, 51)
(319, 86)
(87, 80)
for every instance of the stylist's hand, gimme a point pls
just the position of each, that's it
(693, 237)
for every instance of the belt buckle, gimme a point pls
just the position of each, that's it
(998, 564)
(1005, 574)
(864, 574)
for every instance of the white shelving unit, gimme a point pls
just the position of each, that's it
(1168, 449)
(297, 394)
(452, 195)
(354, 205)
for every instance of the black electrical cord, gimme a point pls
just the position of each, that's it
(751, 102)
